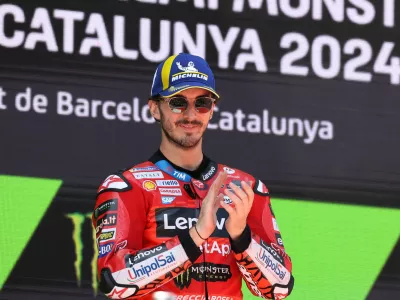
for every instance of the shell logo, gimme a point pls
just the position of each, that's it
(149, 185)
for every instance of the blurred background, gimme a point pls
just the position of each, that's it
(310, 104)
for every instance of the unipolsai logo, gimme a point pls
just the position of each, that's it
(82, 223)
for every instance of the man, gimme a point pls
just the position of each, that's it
(181, 223)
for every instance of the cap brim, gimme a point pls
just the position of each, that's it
(176, 89)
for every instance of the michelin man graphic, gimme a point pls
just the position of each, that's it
(190, 67)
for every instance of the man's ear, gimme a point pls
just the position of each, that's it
(154, 109)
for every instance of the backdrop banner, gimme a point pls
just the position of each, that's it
(309, 104)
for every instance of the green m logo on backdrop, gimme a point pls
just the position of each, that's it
(82, 222)
(337, 250)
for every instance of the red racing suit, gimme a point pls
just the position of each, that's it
(142, 217)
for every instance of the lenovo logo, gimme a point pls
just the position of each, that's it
(209, 173)
(172, 220)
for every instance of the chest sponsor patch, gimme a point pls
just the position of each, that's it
(149, 185)
(163, 183)
(229, 170)
(167, 199)
(214, 247)
(171, 220)
(148, 175)
(150, 168)
(200, 185)
(170, 191)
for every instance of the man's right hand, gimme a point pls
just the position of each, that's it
(208, 213)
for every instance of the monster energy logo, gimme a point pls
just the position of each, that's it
(78, 224)
(201, 272)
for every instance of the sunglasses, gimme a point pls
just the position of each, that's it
(179, 104)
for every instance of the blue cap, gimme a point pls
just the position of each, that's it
(181, 72)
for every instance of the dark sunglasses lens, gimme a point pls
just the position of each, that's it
(203, 104)
(178, 104)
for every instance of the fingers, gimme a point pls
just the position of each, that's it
(245, 191)
(249, 191)
(238, 203)
(210, 202)
(238, 191)
(229, 208)
(242, 198)
(220, 179)
(218, 199)
(216, 185)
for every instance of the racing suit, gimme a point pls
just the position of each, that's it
(142, 217)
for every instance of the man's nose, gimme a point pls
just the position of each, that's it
(190, 112)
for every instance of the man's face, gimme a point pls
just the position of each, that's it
(184, 129)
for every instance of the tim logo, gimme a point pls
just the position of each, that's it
(179, 175)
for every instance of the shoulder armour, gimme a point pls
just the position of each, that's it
(116, 182)
(260, 188)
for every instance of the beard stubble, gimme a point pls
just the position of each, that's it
(186, 141)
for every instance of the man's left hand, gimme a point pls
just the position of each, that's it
(242, 200)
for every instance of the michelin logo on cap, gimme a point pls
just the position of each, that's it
(189, 71)
(180, 72)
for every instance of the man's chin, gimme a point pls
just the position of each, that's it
(188, 142)
(184, 140)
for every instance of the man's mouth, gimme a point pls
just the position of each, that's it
(189, 125)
